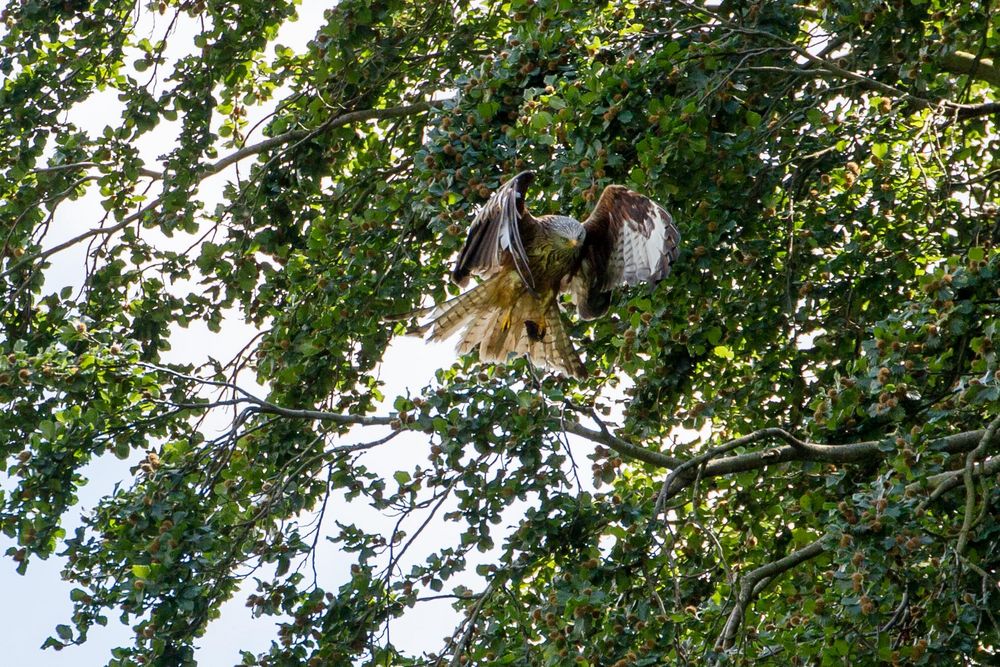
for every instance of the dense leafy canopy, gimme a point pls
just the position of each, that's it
(828, 337)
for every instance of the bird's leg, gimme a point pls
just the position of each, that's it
(536, 330)
(506, 319)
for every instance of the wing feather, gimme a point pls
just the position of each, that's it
(630, 239)
(499, 231)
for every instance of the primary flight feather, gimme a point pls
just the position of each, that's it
(527, 262)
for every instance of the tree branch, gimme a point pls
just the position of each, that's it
(470, 624)
(605, 437)
(970, 493)
(754, 581)
(266, 407)
(97, 231)
(944, 482)
(960, 62)
(296, 135)
(848, 453)
(722, 449)
(685, 470)
(966, 111)
(149, 173)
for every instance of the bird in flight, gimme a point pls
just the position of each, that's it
(527, 262)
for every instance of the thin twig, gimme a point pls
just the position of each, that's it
(470, 624)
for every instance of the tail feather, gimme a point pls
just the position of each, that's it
(457, 313)
(501, 324)
(480, 330)
(559, 350)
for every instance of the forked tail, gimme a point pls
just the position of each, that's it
(500, 322)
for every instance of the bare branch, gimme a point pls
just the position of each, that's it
(97, 231)
(685, 470)
(149, 173)
(966, 111)
(897, 614)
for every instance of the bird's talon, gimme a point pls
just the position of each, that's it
(535, 331)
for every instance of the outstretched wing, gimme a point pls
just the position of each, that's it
(501, 228)
(630, 239)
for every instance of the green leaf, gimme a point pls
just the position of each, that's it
(542, 120)
(723, 352)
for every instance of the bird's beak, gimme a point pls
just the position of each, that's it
(573, 243)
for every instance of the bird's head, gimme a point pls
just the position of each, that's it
(567, 230)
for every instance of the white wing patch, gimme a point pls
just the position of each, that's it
(648, 246)
(654, 244)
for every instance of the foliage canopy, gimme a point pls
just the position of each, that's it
(828, 335)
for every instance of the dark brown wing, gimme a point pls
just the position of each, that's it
(502, 226)
(630, 239)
